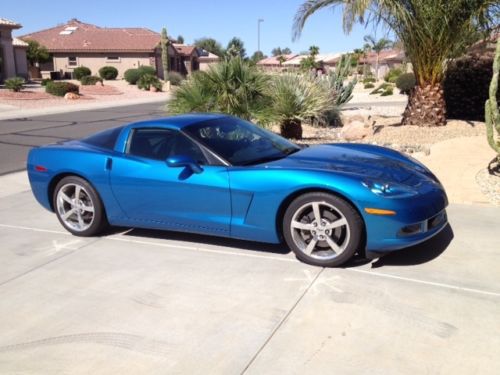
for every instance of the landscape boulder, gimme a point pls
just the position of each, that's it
(357, 127)
(71, 96)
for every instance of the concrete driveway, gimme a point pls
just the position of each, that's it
(154, 302)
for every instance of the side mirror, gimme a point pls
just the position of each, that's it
(184, 161)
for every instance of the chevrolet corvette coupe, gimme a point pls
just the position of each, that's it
(219, 175)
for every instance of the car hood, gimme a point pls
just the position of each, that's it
(355, 159)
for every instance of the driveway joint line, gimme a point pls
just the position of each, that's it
(282, 321)
(3, 283)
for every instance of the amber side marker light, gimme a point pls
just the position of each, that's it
(378, 211)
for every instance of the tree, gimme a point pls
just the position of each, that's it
(310, 62)
(235, 48)
(233, 86)
(281, 59)
(164, 53)
(432, 32)
(36, 53)
(377, 46)
(257, 56)
(180, 39)
(492, 115)
(278, 51)
(210, 45)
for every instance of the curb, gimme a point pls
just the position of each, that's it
(26, 113)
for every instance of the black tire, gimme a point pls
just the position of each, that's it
(333, 210)
(89, 199)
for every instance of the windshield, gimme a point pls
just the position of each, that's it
(240, 142)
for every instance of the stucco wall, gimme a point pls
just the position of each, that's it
(21, 62)
(96, 61)
(9, 67)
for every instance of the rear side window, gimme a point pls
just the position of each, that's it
(106, 139)
(160, 144)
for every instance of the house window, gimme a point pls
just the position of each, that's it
(112, 59)
(72, 61)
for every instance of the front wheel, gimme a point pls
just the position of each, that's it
(322, 229)
(78, 207)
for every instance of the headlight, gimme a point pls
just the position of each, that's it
(389, 189)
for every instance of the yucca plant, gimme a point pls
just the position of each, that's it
(295, 98)
(232, 86)
(431, 31)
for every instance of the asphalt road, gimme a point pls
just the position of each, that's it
(153, 302)
(18, 135)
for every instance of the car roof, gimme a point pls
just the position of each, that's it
(179, 121)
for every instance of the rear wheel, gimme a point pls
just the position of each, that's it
(322, 229)
(78, 207)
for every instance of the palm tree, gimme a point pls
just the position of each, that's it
(235, 48)
(432, 32)
(377, 46)
(232, 86)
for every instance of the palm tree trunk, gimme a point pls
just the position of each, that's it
(426, 106)
(376, 66)
(291, 129)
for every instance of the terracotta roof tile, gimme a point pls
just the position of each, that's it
(76, 36)
(273, 60)
(184, 50)
(6, 22)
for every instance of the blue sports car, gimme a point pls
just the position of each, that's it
(219, 175)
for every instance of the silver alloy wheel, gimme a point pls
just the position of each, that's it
(75, 207)
(320, 230)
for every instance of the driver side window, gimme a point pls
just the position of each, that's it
(160, 144)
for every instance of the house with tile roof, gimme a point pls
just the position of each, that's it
(386, 60)
(77, 44)
(13, 61)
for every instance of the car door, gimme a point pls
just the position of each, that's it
(153, 194)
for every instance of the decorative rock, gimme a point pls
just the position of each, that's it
(71, 96)
(99, 83)
(356, 130)
(153, 89)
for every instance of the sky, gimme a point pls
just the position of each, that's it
(193, 19)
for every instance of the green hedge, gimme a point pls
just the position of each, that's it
(108, 72)
(148, 80)
(406, 82)
(133, 75)
(81, 71)
(90, 80)
(61, 88)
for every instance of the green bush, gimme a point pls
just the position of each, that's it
(146, 69)
(392, 75)
(90, 80)
(175, 78)
(369, 85)
(61, 88)
(148, 80)
(369, 80)
(406, 82)
(388, 91)
(381, 88)
(45, 81)
(81, 71)
(108, 72)
(132, 76)
(15, 84)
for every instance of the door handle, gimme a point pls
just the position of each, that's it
(109, 164)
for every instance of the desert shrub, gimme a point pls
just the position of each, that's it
(108, 72)
(146, 69)
(392, 75)
(81, 71)
(381, 88)
(61, 88)
(369, 80)
(90, 80)
(369, 85)
(132, 76)
(45, 81)
(388, 91)
(15, 84)
(148, 80)
(406, 82)
(175, 78)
